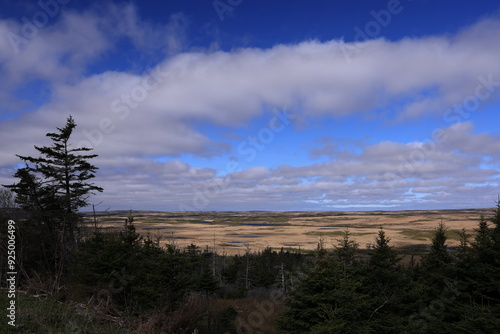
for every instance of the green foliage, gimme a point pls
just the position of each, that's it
(51, 189)
(496, 230)
(439, 259)
(330, 296)
(346, 249)
(345, 292)
(57, 181)
(265, 269)
(481, 269)
(483, 244)
(385, 283)
(135, 272)
(383, 255)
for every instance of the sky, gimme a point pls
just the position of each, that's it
(261, 105)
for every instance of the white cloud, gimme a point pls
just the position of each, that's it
(445, 178)
(460, 137)
(227, 89)
(62, 49)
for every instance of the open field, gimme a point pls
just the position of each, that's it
(232, 232)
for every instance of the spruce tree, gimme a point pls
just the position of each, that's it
(312, 301)
(385, 284)
(330, 296)
(54, 186)
(496, 229)
(51, 189)
(483, 241)
(478, 305)
(383, 255)
(481, 271)
(346, 249)
(438, 259)
(494, 260)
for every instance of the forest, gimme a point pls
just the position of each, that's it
(76, 278)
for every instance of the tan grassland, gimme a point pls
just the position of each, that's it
(235, 232)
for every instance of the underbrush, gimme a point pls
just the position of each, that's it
(197, 314)
(50, 315)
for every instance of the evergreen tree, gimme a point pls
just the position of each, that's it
(486, 265)
(385, 283)
(51, 189)
(265, 268)
(438, 258)
(345, 250)
(56, 183)
(383, 255)
(483, 244)
(311, 302)
(206, 282)
(135, 273)
(496, 229)
(477, 307)
(330, 297)
(464, 247)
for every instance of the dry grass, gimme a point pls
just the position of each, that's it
(231, 232)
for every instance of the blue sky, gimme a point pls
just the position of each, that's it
(259, 105)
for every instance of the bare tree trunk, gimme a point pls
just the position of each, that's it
(247, 270)
(283, 281)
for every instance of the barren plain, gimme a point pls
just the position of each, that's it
(231, 232)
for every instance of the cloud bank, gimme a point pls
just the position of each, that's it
(135, 116)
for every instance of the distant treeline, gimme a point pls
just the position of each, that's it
(338, 290)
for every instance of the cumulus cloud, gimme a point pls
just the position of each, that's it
(63, 47)
(132, 116)
(461, 137)
(381, 176)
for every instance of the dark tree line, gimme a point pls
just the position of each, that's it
(445, 292)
